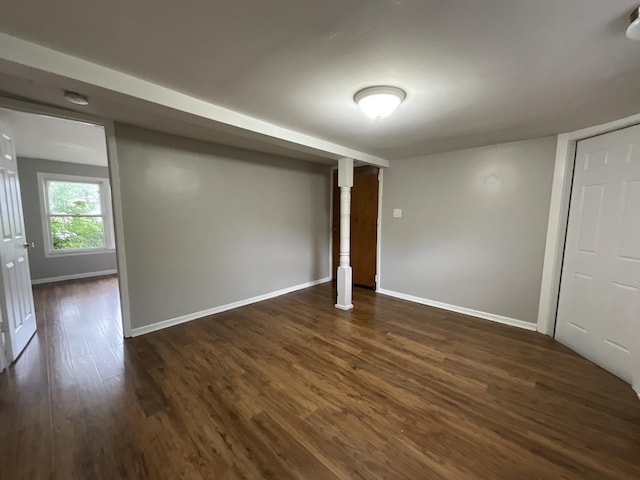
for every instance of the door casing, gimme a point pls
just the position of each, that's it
(601, 262)
(114, 179)
(557, 225)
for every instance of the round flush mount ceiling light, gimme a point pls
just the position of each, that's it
(633, 32)
(379, 102)
(76, 98)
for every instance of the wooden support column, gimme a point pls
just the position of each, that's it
(344, 276)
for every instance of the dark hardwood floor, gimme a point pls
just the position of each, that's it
(293, 388)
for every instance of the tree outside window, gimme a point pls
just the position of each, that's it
(76, 214)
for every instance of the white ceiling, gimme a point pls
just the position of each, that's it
(50, 138)
(476, 72)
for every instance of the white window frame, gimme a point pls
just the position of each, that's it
(107, 214)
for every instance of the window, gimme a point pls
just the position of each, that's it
(76, 214)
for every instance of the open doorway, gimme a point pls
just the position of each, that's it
(59, 266)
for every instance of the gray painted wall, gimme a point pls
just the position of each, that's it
(41, 266)
(473, 227)
(206, 225)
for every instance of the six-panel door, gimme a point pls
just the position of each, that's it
(16, 300)
(599, 305)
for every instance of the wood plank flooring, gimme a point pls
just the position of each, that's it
(292, 388)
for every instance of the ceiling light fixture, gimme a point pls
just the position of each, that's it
(633, 32)
(379, 102)
(76, 98)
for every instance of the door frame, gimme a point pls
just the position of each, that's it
(3, 355)
(378, 226)
(332, 274)
(114, 179)
(558, 222)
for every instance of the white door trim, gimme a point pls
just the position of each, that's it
(379, 229)
(558, 217)
(114, 177)
(3, 353)
(332, 274)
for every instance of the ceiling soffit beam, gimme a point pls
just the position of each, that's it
(37, 57)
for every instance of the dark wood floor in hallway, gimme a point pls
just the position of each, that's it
(292, 388)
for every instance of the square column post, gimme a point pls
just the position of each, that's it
(345, 276)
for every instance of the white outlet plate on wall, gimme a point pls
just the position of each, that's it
(397, 213)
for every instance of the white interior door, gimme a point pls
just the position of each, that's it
(16, 296)
(599, 304)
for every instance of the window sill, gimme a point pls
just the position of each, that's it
(73, 253)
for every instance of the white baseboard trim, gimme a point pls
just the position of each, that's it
(636, 388)
(76, 276)
(466, 311)
(223, 308)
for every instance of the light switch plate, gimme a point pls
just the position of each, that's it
(397, 213)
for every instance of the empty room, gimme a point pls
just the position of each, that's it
(375, 239)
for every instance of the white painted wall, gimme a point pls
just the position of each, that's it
(207, 225)
(473, 227)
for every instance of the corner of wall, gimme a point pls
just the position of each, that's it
(135, 332)
(463, 310)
